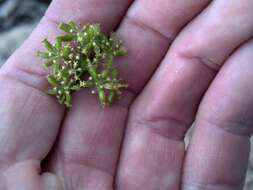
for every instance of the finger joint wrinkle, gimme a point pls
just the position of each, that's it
(165, 126)
(240, 128)
(142, 25)
(29, 78)
(208, 62)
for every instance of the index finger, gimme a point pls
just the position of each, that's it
(30, 119)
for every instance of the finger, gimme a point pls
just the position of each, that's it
(26, 176)
(218, 154)
(27, 114)
(148, 30)
(29, 118)
(166, 108)
(101, 130)
(108, 13)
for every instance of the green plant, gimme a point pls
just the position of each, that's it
(83, 58)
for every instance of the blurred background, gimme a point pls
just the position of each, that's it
(17, 20)
(19, 17)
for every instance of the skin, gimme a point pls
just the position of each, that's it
(188, 61)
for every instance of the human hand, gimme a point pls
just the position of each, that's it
(138, 142)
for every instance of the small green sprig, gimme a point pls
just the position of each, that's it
(83, 58)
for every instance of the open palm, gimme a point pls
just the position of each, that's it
(176, 50)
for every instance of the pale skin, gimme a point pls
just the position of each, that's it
(188, 61)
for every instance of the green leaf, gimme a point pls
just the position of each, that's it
(43, 55)
(108, 86)
(102, 97)
(68, 100)
(92, 71)
(49, 46)
(67, 38)
(56, 66)
(52, 92)
(66, 51)
(105, 74)
(66, 27)
(58, 43)
(95, 29)
(75, 87)
(115, 73)
(121, 52)
(52, 80)
(109, 61)
(73, 25)
(114, 37)
(86, 84)
(49, 63)
(111, 97)
(62, 99)
(65, 73)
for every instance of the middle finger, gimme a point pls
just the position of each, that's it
(153, 151)
(100, 130)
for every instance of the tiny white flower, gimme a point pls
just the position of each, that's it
(71, 55)
(80, 39)
(75, 64)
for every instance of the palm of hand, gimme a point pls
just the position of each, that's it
(138, 142)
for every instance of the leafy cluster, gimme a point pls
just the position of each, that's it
(83, 58)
